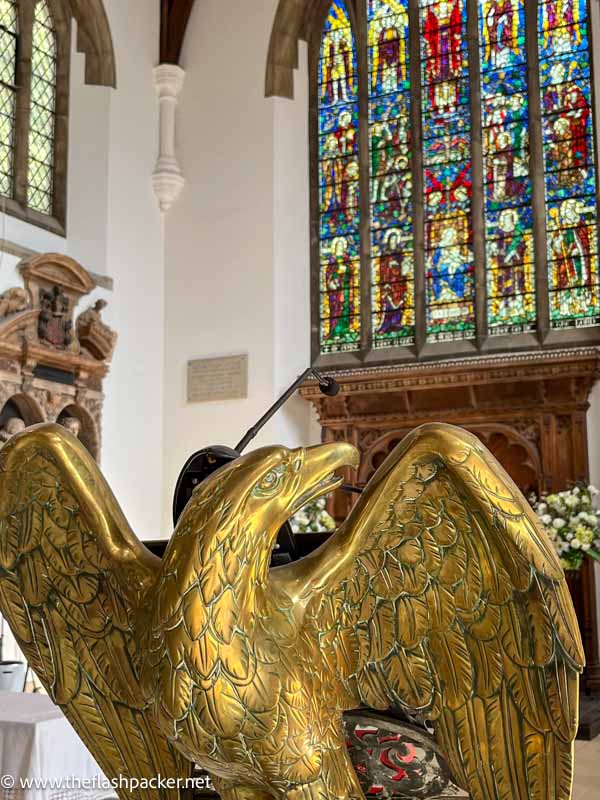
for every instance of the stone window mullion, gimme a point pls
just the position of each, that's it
(477, 172)
(62, 28)
(417, 176)
(536, 168)
(361, 34)
(26, 12)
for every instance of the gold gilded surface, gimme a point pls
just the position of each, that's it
(441, 593)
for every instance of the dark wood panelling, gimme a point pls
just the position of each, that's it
(174, 18)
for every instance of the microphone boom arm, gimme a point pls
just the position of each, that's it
(327, 385)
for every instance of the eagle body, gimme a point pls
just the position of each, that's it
(233, 673)
(441, 594)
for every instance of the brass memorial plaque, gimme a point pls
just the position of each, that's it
(212, 379)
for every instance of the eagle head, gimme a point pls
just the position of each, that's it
(264, 488)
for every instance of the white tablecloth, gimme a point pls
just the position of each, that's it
(37, 742)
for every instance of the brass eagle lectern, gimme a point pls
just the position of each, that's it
(440, 594)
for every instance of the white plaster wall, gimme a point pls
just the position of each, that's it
(133, 422)
(237, 260)
(294, 425)
(224, 262)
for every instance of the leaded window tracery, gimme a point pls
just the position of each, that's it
(34, 87)
(449, 219)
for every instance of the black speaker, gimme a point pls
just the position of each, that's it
(197, 469)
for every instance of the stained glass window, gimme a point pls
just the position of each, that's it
(446, 122)
(339, 237)
(507, 189)
(569, 164)
(392, 256)
(8, 80)
(43, 110)
(433, 184)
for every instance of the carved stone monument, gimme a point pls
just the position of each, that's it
(53, 362)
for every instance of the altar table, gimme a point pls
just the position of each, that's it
(37, 742)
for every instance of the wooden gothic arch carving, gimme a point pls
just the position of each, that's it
(519, 456)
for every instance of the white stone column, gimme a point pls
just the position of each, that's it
(167, 179)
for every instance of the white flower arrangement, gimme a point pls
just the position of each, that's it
(313, 518)
(572, 522)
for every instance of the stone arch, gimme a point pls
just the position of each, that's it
(27, 407)
(94, 40)
(88, 434)
(294, 21)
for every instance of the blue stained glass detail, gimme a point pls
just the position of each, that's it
(446, 121)
(339, 185)
(392, 262)
(569, 164)
(510, 270)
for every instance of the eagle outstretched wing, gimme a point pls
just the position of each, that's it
(72, 576)
(442, 593)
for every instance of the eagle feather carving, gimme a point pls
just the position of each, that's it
(440, 594)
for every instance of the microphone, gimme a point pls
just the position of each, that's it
(328, 385)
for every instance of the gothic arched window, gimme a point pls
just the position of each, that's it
(34, 91)
(454, 203)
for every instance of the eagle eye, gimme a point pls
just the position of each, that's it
(270, 482)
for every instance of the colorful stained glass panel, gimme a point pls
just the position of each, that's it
(40, 182)
(446, 123)
(569, 157)
(339, 219)
(510, 273)
(8, 66)
(392, 262)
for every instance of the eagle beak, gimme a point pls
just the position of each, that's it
(317, 473)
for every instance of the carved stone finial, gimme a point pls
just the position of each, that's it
(73, 425)
(94, 335)
(13, 301)
(10, 428)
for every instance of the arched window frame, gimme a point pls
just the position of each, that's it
(17, 205)
(289, 27)
(94, 40)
